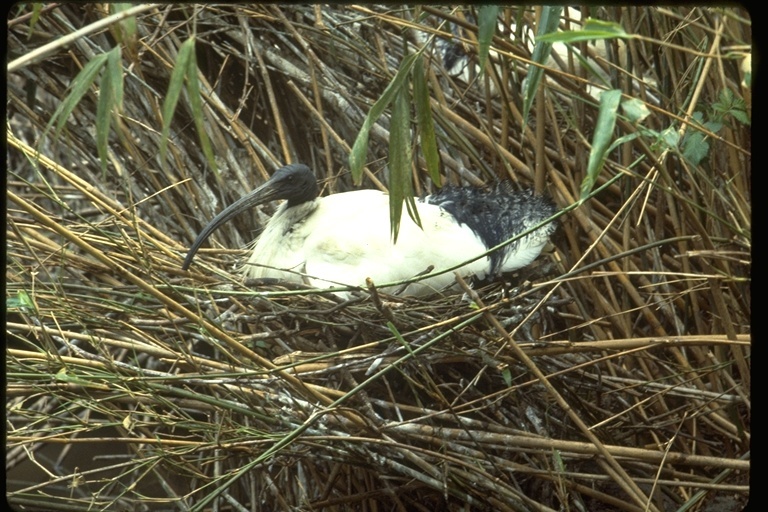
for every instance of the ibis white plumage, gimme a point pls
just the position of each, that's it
(343, 239)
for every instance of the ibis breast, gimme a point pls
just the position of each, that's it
(342, 239)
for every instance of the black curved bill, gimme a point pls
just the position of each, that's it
(265, 193)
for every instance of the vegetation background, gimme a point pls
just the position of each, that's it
(614, 374)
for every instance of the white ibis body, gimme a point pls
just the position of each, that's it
(342, 239)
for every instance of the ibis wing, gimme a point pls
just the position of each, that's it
(348, 240)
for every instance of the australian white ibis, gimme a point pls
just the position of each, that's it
(342, 239)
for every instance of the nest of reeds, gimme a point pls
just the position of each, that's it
(612, 374)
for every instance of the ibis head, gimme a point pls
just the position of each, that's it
(295, 183)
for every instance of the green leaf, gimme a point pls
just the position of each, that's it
(669, 138)
(21, 301)
(695, 147)
(550, 20)
(635, 110)
(425, 121)
(601, 140)
(125, 31)
(176, 85)
(400, 158)
(592, 29)
(196, 104)
(506, 375)
(486, 27)
(741, 116)
(728, 103)
(37, 9)
(625, 138)
(399, 337)
(110, 103)
(359, 153)
(713, 126)
(80, 85)
(115, 73)
(559, 464)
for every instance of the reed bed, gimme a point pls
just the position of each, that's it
(612, 374)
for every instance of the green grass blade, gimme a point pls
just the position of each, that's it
(80, 85)
(37, 8)
(125, 31)
(110, 103)
(176, 85)
(425, 121)
(601, 140)
(550, 20)
(593, 29)
(400, 157)
(486, 27)
(359, 153)
(196, 104)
